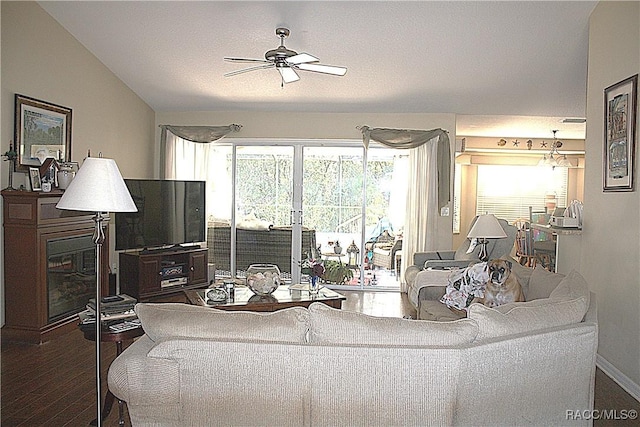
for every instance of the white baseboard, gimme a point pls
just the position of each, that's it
(621, 379)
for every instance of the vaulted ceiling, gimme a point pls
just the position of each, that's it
(509, 69)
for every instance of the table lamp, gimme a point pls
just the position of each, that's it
(486, 227)
(98, 187)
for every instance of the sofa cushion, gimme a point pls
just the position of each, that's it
(436, 311)
(542, 283)
(333, 326)
(180, 320)
(528, 316)
(571, 286)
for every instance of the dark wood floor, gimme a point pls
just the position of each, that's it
(53, 384)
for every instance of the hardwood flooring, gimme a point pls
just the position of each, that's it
(53, 384)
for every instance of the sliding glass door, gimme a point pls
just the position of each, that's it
(332, 205)
(263, 206)
(287, 202)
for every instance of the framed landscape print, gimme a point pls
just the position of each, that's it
(42, 131)
(620, 108)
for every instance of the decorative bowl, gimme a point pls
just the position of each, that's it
(263, 279)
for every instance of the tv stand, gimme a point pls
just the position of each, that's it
(147, 274)
(173, 248)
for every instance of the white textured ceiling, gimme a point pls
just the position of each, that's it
(516, 67)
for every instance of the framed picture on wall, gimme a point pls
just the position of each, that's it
(42, 131)
(620, 109)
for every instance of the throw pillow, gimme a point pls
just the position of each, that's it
(526, 316)
(180, 320)
(333, 326)
(542, 283)
(572, 286)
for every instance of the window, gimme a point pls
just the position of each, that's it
(509, 191)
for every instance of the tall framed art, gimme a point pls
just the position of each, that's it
(620, 109)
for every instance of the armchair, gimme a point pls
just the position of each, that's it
(416, 278)
(384, 254)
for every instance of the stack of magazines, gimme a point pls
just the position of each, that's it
(114, 308)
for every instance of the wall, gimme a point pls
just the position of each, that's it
(42, 60)
(296, 125)
(610, 257)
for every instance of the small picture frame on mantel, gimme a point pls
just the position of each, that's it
(34, 178)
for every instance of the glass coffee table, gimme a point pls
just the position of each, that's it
(283, 297)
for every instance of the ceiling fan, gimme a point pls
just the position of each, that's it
(286, 61)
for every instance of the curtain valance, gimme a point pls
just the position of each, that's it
(202, 134)
(198, 134)
(411, 138)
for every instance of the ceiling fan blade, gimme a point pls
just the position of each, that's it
(288, 74)
(319, 68)
(245, 70)
(230, 59)
(301, 58)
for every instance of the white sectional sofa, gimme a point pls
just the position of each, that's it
(522, 365)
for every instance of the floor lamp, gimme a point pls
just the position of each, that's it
(98, 187)
(486, 227)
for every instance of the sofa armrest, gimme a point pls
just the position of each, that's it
(431, 293)
(449, 264)
(142, 380)
(419, 258)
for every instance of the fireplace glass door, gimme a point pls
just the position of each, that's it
(71, 275)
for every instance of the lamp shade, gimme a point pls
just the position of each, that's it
(487, 227)
(97, 187)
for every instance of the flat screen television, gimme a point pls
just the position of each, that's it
(169, 213)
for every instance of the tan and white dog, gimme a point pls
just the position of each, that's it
(502, 287)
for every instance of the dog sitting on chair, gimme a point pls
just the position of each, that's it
(502, 286)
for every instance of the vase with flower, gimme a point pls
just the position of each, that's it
(314, 269)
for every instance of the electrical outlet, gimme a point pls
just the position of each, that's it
(444, 211)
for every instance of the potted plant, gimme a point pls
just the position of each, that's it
(336, 272)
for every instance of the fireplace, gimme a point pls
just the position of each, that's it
(49, 265)
(71, 275)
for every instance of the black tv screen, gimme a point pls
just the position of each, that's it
(169, 213)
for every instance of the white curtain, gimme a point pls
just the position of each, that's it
(429, 175)
(186, 159)
(421, 220)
